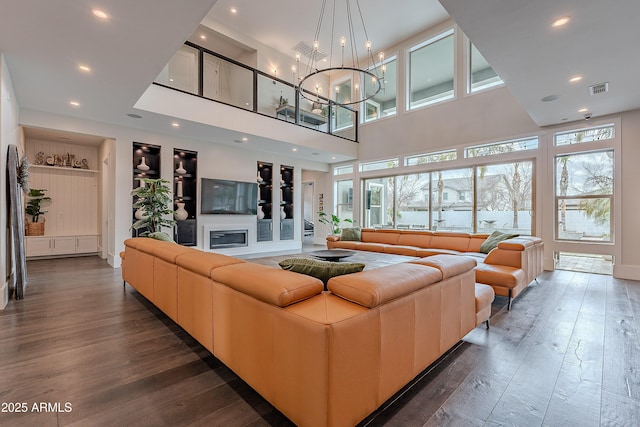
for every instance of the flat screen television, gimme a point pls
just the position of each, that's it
(219, 196)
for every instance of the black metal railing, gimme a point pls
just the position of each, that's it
(201, 72)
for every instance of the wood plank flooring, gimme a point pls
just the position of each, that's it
(566, 354)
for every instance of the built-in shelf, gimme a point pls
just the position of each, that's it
(151, 155)
(53, 168)
(286, 203)
(265, 202)
(185, 173)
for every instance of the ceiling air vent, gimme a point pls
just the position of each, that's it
(305, 50)
(599, 88)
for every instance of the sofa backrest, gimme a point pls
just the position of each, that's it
(372, 288)
(389, 237)
(476, 241)
(417, 238)
(452, 241)
(267, 284)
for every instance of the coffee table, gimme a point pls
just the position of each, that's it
(332, 254)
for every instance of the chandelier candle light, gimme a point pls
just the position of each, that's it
(367, 78)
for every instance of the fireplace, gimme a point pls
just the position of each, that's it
(219, 239)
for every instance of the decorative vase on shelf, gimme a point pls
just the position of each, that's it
(181, 170)
(179, 190)
(260, 212)
(181, 213)
(283, 215)
(143, 164)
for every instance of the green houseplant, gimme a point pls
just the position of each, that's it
(333, 221)
(35, 227)
(153, 198)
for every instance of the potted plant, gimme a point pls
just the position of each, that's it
(154, 200)
(35, 227)
(333, 221)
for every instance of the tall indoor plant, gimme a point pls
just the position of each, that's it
(35, 227)
(333, 221)
(153, 197)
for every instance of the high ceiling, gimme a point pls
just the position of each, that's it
(536, 60)
(45, 42)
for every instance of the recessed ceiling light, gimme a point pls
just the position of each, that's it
(333, 158)
(84, 68)
(583, 110)
(315, 154)
(134, 116)
(561, 21)
(234, 10)
(575, 79)
(245, 139)
(100, 14)
(74, 103)
(294, 149)
(550, 98)
(203, 37)
(175, 125)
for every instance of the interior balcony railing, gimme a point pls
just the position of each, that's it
(198, 71)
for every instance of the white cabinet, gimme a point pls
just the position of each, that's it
(40, 246)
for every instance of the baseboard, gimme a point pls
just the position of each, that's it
(630, 272)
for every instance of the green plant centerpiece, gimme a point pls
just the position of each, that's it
(34, 209)
(154, 199)
(333, 221)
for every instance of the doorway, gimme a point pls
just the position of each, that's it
(307, 213)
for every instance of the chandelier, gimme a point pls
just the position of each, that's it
(348, 56)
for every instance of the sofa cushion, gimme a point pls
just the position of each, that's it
(205, 262)
(499, 275)
(351, 234)
(449, 265)
(268, 284)
(493, 240)
(375, 287)
(323, 270)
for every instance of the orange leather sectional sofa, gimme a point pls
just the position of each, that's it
(323, 358)
(508, 268)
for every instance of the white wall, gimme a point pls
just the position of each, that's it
(9, 134)
(214, 161)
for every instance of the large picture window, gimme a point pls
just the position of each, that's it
(431, 71)
(584, 196)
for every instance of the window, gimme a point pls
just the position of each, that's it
(343, 116)
(343, 170)
(344, 199)
(397, 202)
(585, 135)
(584, 196)
(384, 102)
(380, 164)
(431, 71)
(504, 197)
(502, 147)
(481, 75)
(449, 213)
(421, 159)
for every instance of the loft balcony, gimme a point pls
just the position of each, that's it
(205, 74)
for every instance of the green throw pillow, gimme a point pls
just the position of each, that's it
(351, 234)
(323, 270)
(493, 240)
(160, 235)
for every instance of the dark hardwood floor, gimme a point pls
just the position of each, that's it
(568, 353)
